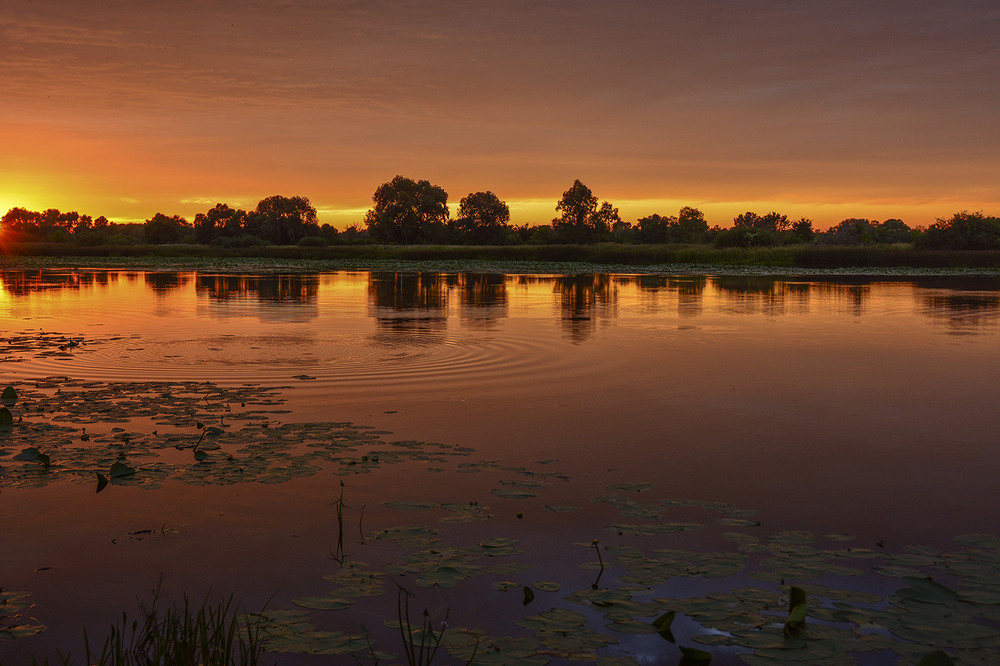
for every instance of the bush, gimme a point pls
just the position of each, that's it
(242, 240)
(746, 236)
(311, 241)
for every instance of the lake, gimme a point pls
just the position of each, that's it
(468, 436)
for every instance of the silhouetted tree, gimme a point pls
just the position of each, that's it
(852, 231)
(688, 227)
(691, 226)
(654, 228)
(19, 223)
(581, 221)
(893, 231)
(802, 231)
(161, 229)
(752, 230)
(622, 231)
(483, 218)
(283, 220)
(219, 221)
(964, 231)
(772, 221)
(407, 211)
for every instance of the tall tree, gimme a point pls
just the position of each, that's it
(580, 220)
(691, 226)
(407, 211)
(483, 218)
(161, 229)
(284, 220)
(221, 220)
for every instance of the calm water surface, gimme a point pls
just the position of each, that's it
(861, 406)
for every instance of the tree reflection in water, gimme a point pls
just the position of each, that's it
(584, 299)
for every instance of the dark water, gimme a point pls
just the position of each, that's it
(860, 406)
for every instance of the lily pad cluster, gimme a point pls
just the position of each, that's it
(786, 597)
(13, 622)
(145, 433)
(818, 600)
(18, 347)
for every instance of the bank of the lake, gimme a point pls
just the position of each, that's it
(877, 261)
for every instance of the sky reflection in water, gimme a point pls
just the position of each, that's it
(863, 406)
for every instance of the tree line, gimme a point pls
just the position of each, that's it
(406, 211)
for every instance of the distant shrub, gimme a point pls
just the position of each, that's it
(311, 241)
(241, 240)
(746, 236)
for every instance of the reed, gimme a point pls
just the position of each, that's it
(208, 635)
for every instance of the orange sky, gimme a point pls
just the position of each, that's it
(822, 110)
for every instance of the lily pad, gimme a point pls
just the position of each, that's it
(323, 603)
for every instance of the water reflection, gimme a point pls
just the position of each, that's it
(412, 304)
(964, 313)
(770, 296)
(163, 283)
(22, 283)
(482, 299)
(687, 292)
(289, 298)
(419, 303)
(583, 301)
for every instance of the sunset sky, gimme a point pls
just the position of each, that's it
(825, 110)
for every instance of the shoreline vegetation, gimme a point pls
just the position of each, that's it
(812, 257)
(410, 221)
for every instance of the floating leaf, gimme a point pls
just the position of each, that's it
(499, 546)
(6, 418)
(738, 522)
(560, 508)
(513, 493)
(529, 595)
(936, 658)
(102, 481)
(797, 609)
(410, 506)
(842, 538)
(927, 591)
(9, 395)
(31, 454)
(662, 625)
(119, 470)
(694, 655)
(323, 603)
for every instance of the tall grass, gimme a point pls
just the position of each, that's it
(207, 635)
(790, 256)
